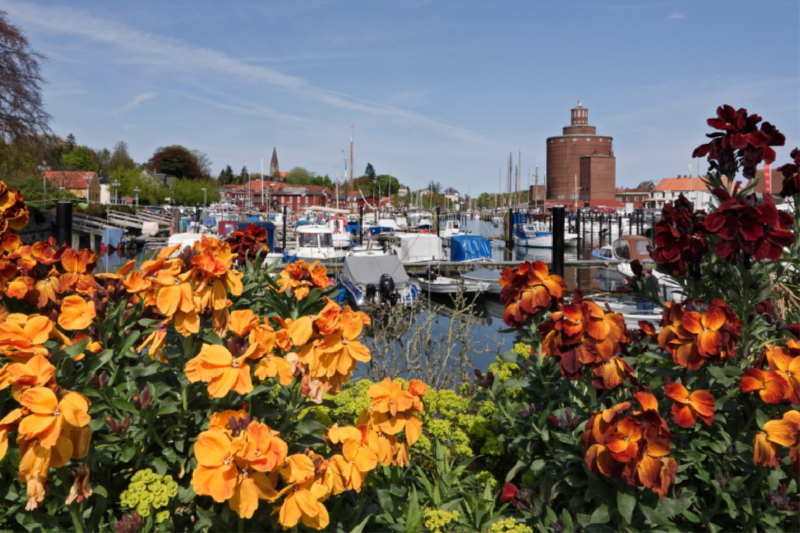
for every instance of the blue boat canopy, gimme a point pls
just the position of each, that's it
(469, 248)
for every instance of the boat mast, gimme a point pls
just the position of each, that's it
(352, 130)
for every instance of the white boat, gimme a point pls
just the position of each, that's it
(341, 237)
(537, 235)
(450, 229)
(445, 285)
(388, 223)
(315, 243)
(484, 275)
(419, 248)
(379, 280)
(402, 222)
(497, 222)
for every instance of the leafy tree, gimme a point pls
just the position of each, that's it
(190, 192)
(299, 176)
(365, 185)
(22, 114)
(120, 157)
(384, 181)
(243, 176)
(486, 200)
(102, 159)
(151, 191)
(370, 172)
(175, 161)
(450, 190)
(80, 158)
(435, 186)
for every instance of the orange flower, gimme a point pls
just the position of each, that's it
(215, 365)
(389, 397)
(22, 336)
(242, 322)
(301, 278)
(770, 385)
(76, 313)
(49, 288)
(528, 289)
(155, 344)
(794, 451)
(775, 432)
(19, 287)
(80, 489)
(788, 368)
(612, 373)
(303, 503)
(216, 474)
(264, 449)
(48, 414)
(341, 349)
(272, 366)
(338, 435)
(175, 292)
(624, 443)
(706, 327)
(37, 372)
(687, 407)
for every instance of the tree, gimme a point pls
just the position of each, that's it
(70, 142)
(486, 200)
(203, 162)
(175, 161)
(226, 177)
(190, 192)
(384, 181)
(151, 191)
(299, 176)
(22, 114)
(435, 186)
(102, 159)
(450, 190)
(364, 185)
(243, 176)
(370, 172)
(120, 157)
(80, 158)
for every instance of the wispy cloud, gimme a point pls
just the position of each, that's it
(177, 55)
(675, 16)
(249, 109)
(140, 99)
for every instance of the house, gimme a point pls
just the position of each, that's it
(402, 191)
(85, 185)
(636, 196)
(452, 197)
(670, 189)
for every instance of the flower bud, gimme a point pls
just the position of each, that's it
(95, 382)
(103, 379)
(127, 423)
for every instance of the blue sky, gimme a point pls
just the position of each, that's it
(437, 90)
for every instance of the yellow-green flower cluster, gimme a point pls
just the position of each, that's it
(148, 490)
(510, 525)
(505, 371)
(436, 521)
(485, 479)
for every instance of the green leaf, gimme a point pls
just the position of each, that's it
(537, 465)
(761, 418)
(124, 405)
(130, 340)
(168, 410)
(654, 517)
(160, 465)
(718, 374)
(516, 383)
(626, 503)
(127, 453)
(96, 361)
(513, 471)
(600, 516)
(509, 357)
(360, 527)
(309, 427)
(672, 507)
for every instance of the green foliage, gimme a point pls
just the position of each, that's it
(226, 176)
(120, 158)
(369, 172)
(299, 176)
(437, 521)
(384, 181)
(151, 191)
(190, 192)
(80, 158)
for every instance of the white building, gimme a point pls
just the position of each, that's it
(670, 189)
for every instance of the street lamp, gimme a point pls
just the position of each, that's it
(136, 190)
(116, 191)
(204, 198)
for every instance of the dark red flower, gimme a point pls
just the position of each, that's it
(680, 237)
(247, 243)
(791, 175)
(741, 144)
(509, 493)
(742, 224)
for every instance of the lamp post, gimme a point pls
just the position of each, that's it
(44, 187)
(116, 191)
(204, 198)
(136, 190)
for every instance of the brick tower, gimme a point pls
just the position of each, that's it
(580, 164)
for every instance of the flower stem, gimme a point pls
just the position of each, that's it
(77, 519)
(240, 525)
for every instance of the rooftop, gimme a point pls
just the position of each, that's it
(71, 180)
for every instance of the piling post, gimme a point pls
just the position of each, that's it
(510, 230)
(361, 225)
(558, 240)
(438, 222)
(285, 216)
(619, 226)
(64, 223)
(578, 231)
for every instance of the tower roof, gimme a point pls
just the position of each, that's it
(274, 169)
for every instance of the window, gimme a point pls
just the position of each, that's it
(619, 199)
(571, 196)
(588, 139)
(561, 140)
(574, 139)
(560, 196)
(601, 139)
(621, 249)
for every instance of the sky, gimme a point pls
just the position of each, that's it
(437, 90)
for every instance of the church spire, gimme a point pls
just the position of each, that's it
(274, 170)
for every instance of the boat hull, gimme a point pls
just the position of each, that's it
(453, 286)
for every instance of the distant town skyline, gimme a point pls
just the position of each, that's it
(437, 90)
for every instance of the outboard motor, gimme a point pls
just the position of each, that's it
(386, 287)
(370, 292)
(430, 273)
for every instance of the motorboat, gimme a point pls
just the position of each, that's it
(537, 235)
(402, 222)
(434, 284)
(605, 253)
(377, 279)
(451, 229)
(484, 275)
(341, 237)
(497, 222)
(470, 249)
(419, 248)
(315, 243)
(381, 230)
(388, 223)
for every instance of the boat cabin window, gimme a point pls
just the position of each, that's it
(307, 239)
(606, 253)
(325, 240)
(641, 247)
(621, 249)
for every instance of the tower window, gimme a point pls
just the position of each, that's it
(574, 139)
(588, 139)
